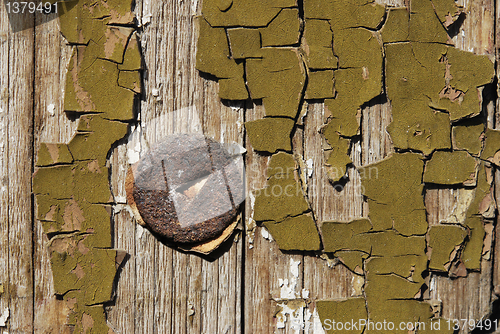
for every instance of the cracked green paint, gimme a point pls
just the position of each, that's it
(337, 158)
(444, 240)
(349, 53)
(51, 154)
(395, 195)
(410, 267)
(245, 43)
(320, 85)
(450, 168)
(468, 136)
(491, 150)
(318, 45)
(295, 233)
(352, 259)
(278, 129)
(71, 181)
(278, 79)
(283, 197)
(343, 310)
(283, 30)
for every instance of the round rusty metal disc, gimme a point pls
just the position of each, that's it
(187, 189)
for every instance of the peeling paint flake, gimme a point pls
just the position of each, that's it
(4, 317)
(71, 181)
(346, 54)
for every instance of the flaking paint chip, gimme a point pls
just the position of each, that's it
(270, 134)
(245, 43)
(350, 53)
(295, 233)
(450, 168)
(342, 311)
(444, 243)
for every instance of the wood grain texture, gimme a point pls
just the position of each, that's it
(4, 154)
(17, 72)
(161, 290)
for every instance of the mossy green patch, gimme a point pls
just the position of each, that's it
(444, 240)
(118, 11)
(91, 183)
(354, 87)
(112, 45)
(76, 267)
(457, 167)
(358, 48)
(77, 23)
(482, 202)
(466, 77)
(55, 181)
(419, 127)
(358, 80)
(270, 134)
(278, 79)
(472, 253)
(71, 182)
(415, 75)
(245, 43)
(483, 193)
(83, 318)
(460, 97)
(295, 233)
(65, 216)
(320, 85)
(283, 30)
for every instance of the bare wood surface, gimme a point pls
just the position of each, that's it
(17, 70)
(161, 290)
(4, 166)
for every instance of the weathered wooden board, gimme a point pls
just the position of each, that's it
(161, 290)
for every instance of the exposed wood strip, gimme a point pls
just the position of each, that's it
(4, 157)
(19, 93)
